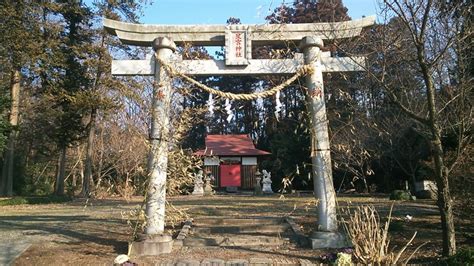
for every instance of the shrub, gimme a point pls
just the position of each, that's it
(370, 237)
(35, 200)
(400, 195)
(464, 256)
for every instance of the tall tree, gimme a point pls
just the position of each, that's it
(74, 81)
(18, 48)
(421, 37)
(98, 71)
(293, 119)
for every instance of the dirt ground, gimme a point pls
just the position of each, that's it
(95, 232)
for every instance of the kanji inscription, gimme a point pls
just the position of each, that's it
(237, 45)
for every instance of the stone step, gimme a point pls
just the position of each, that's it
(253, 261)
(235, 241)
(209, 221)
(242, 229)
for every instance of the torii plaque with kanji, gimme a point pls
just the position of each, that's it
(238, 45)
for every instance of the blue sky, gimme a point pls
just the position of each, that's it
(218, 11)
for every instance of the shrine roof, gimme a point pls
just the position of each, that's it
(230, 145)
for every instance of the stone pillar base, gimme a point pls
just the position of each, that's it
(322, 239)
(149, 245)
(198, 193)
(208, 191)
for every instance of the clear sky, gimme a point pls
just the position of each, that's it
(218, 11)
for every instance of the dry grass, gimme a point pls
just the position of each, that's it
(371, 239)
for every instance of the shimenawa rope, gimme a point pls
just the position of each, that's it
(302, 71)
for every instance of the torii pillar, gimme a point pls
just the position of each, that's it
(155, 241)
(327, 235)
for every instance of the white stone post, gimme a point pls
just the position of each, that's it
(320, 151)
(159, 134)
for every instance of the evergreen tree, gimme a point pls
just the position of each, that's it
(75, 40)
(102, 82)
(18, 48)
(294, 118)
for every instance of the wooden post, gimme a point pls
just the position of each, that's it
(159, 134)
(320, 151)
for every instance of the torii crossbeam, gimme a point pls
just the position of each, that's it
(238, 40)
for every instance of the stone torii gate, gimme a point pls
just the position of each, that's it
(238, 40)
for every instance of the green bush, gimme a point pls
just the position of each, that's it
(464, 256)
(35, 200)
(38, 179)
(400, 195)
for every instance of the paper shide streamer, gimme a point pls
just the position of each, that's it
(210, 104)
(278, 105)
(228, 108)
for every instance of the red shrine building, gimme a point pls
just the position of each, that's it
(232, 160)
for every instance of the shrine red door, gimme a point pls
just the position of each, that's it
(230, 175)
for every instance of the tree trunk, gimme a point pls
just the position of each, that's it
(100, 162)
(8, 162)
(445, 202)
(81, 171)
(445, 205)
(3, 177)
(59, 188)
(75, 171)
(88, 161)
(413, 180)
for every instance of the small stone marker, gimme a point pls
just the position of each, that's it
(425, 185)
(208, 190)
(267, 182)
(258, 186)
(198, 184)
(426, 189)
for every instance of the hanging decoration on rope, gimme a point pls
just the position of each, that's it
(228, 107)
(278, 105)
(210, 104)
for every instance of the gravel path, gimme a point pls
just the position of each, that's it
(77, 233)
(43, 226)
(10, 250)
